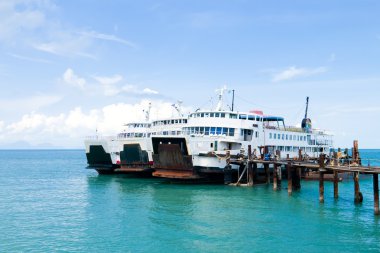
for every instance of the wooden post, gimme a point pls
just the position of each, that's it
(297, 178)
(355, 152)
(275, 176)
(336, 181)
(279, 177)
(376, 193)
(321, 187)
(267, 173)
(290, 183)
(335, 162)
(358, 195)
(254, 174)
(321, 179)
(250, 168)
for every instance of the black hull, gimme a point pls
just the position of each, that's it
(99, 160)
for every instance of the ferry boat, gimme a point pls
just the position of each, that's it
(200, 152)
(130, 151)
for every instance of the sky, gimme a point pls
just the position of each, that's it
(70, 68)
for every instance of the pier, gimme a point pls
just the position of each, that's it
(296, 169)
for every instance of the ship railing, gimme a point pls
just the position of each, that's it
(100, 137)
(295, 129)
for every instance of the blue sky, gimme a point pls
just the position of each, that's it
(70, 67)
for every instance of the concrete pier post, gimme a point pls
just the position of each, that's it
(336, 181)
(290, 183)
(376, 193)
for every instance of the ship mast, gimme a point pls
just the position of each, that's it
(178, 107)
(307, 107)
(220, 98)
(147, 112)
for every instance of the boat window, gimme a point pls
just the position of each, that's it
(233, 116)
(217, 115)
(202, 115)
(218, 130)
(257, 134)
(207, 115)
(274, 136)
(270, 135)
(278, 136)
(207, 130)
(225, 131)
(231, 132)
(212, 130)
(286, 137)
(242, 116)
(283, 135)
(176, 121)
(211, 145)
(197, 130)
(251, 117)
(222, 115)
(201, 130)
(212, 115)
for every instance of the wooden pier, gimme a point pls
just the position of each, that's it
(297, 168)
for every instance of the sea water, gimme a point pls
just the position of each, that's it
(50, 202)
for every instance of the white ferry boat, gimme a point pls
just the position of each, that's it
(130, 151)
(200, 152)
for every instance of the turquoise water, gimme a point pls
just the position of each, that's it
(49, 202)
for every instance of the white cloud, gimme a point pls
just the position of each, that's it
(112, 86)
(68, 129)
(20, 17)
(31, 103)
(26, 58)
(294, 72)
(65, 43)
(149, 91)
(71, 78)
(108, 80)
(107, 37)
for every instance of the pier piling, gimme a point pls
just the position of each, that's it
(321, 187)
(358, 194)
(376, 193)
(275, 176)
(267, 173)
(321, 178)
(336, 181)
(290, 183)
(250, 168)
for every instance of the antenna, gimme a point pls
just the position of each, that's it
(178, 107)
(233, 100)
(307, 106)
(147, 112)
